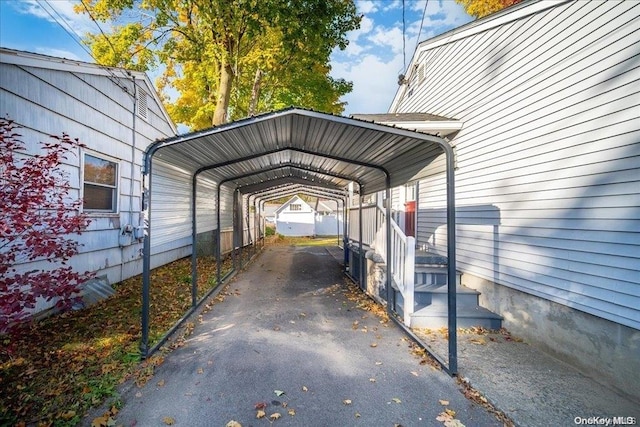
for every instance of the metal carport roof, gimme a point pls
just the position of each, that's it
(318, 142)
(297, 145)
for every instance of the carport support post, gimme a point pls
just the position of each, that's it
(387, 219)
(146, 270)
(194, 251)
(451, 260)
(219, 233)
(360, 257)
(345, 236)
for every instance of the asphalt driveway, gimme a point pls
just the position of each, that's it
(286, 337)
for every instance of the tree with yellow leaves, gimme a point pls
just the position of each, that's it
(229, 58)
(480, 8)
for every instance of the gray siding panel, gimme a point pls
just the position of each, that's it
(91, 107)
(548, 179)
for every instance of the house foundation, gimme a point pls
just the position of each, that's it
(603, 350)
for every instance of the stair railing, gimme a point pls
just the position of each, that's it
(403, 250)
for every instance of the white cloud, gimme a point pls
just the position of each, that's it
(373, 59)
(58, 53)
(374, 83)
(60, 12)
(366, 6)
(391, 37)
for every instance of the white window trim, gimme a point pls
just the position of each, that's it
(99, 212)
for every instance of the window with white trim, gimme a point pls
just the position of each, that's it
(99, 184)
(295, 207)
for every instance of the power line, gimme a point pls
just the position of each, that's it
(77, 38)
(424, 12)
(404, 40)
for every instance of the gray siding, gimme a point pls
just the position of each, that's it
(548, 179)
(47, 97)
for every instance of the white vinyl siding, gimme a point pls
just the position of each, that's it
(548, 178)
(46, 97)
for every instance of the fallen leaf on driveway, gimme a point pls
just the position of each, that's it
(347, 401)
(414, 373)
(161, 383)
(291, 412)
(373, 344)
(260, 413)
(443, 402)
(260, 405)
(278, 392)
(304, 388)
(169, 421)
(395, 399)
(233, 423)
(275, 416)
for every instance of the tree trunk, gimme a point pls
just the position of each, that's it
(224, 93)
(255, 92)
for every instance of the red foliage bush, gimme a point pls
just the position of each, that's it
(37, 217)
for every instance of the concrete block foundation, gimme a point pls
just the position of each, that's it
(603, 350)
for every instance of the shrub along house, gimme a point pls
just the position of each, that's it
(116, 113)
(545, 98)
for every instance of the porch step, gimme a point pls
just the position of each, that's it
(438, 294)
(432, 275)
(436, 316)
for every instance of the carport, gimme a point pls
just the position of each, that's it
(259, 157)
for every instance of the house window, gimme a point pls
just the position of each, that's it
(99, 184)
(142, 105)
(295, 207)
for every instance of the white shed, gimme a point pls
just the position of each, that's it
(295, 218)
(546, 97)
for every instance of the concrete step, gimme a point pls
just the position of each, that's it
(465, 297)
(425, 295)
(433, 275)
(436, 316)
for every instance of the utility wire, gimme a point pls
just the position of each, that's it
(404, 40)
(424, 12)
(77, 38)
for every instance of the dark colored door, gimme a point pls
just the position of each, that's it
(410, 218)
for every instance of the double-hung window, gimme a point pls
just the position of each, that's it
(100, 189)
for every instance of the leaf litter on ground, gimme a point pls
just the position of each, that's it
(78, 358)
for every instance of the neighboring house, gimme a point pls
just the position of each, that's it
(328, 220)
(116, 113)
(270, 213)
(547, 99)
(295, 218)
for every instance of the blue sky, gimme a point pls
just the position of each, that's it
(372, 61)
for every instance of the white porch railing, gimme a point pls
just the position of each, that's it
(403, 249)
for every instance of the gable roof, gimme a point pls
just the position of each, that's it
(29, 59)
(295, 199)
(420, 122)
(302, 145)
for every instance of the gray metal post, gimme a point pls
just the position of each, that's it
(361, 258)
(451, 264)
(194, 238)
(219, 233)
(390, 297)
(146, 273)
